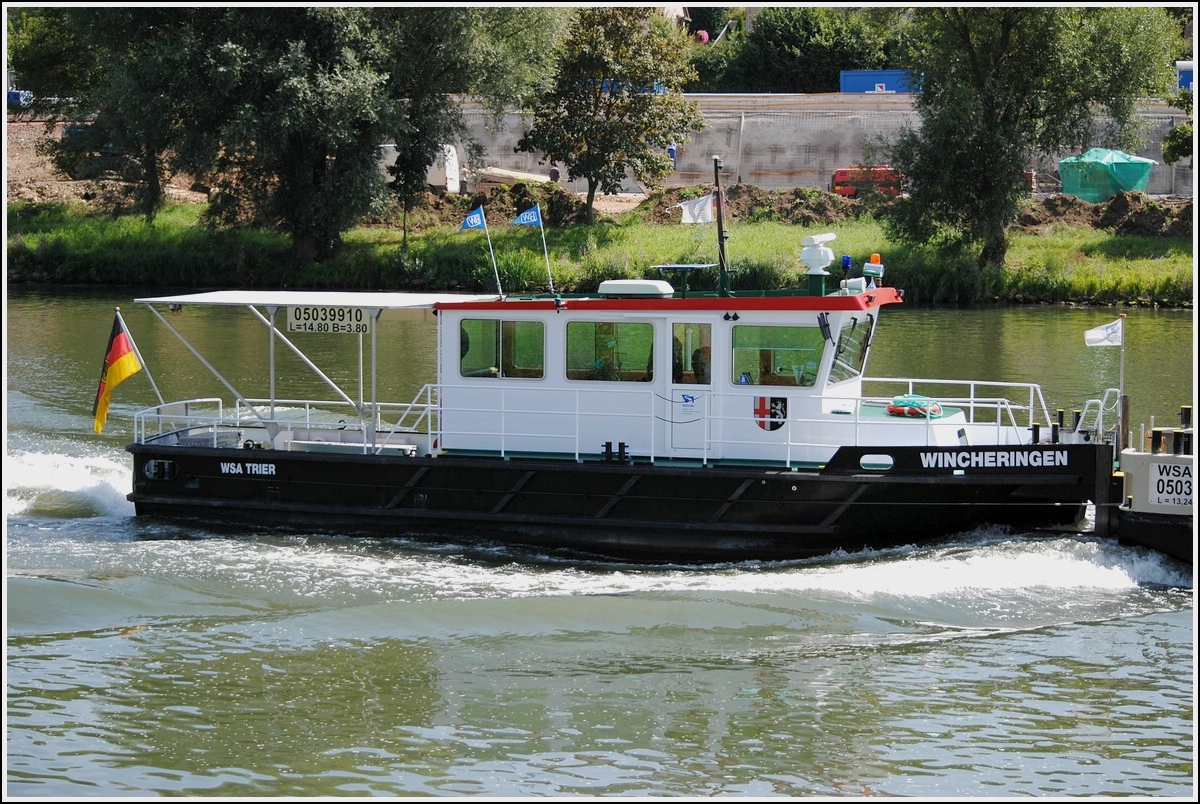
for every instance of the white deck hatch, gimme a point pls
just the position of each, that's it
(650, 288)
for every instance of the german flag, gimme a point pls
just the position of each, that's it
(120, 362)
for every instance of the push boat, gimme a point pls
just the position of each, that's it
(1156, 477)
(639, 422)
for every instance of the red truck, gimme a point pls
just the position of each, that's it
(880, 178)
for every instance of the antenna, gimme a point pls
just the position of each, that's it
(722, 235)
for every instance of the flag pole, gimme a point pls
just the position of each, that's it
(471, 222)
(1123, 434)
(1114, 335)
(722, 235)
(495, 270)
(137, 353)
(545, 251)
(1122, 381)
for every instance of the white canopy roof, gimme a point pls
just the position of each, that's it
(321, 298)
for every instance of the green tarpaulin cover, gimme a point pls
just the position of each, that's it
(1101, 173)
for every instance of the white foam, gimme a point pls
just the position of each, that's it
(53, 483)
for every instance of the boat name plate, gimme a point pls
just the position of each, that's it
(1170, 484)
(335, 320)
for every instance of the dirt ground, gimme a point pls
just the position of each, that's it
(30, 177)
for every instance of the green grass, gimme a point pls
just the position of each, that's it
(1084, 264)
(71, 244)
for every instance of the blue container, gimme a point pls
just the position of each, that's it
(876, 81)
(19, 98)
(1185, 70)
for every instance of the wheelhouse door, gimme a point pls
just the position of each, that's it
(689, 400)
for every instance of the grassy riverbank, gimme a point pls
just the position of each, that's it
(1059, 262)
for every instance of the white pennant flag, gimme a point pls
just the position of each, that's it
(698, 211)
(1106, 335)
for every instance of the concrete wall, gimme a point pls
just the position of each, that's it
(787, 141)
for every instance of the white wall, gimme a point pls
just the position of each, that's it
(787, 141)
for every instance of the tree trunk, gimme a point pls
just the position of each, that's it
(299, 196)
(305, 247)
(591, 202)
(995, 247)
(152, 185)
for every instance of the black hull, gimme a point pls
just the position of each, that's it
(1171, 534)
(629, 510)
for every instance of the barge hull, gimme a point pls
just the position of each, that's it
(634, 510)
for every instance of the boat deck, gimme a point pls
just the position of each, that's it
(412, 430)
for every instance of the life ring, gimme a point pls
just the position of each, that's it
(915, 405)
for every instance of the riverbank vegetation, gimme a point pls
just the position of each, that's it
(1063, 260)
(281, 113)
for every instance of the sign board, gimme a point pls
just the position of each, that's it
(334, 320)
(1170, 484)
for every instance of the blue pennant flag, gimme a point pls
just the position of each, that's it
(474, 220)
(530, 217)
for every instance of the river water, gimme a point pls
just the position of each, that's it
(146, 659)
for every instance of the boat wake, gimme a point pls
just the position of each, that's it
(74, 480)
(86, 482)
(67, 509)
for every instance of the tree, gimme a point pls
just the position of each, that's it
(51, 59)
(297, 115)
(801, 49)
(617, 100)
(117, 67)
(314, 92)
(716, 61)
(1177, 143)
(280, 105)
(1000, 86)
(501, 56)
(710, 19)
(282, 110)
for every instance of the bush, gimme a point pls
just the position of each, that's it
(73, 245)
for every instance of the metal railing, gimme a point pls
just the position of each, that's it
(179, 418)
(1034, 407)
(575, 422)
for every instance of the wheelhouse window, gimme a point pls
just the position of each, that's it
(490, 348)
(851, 352)
(776, 355)
(691, 358)
(609, 351)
